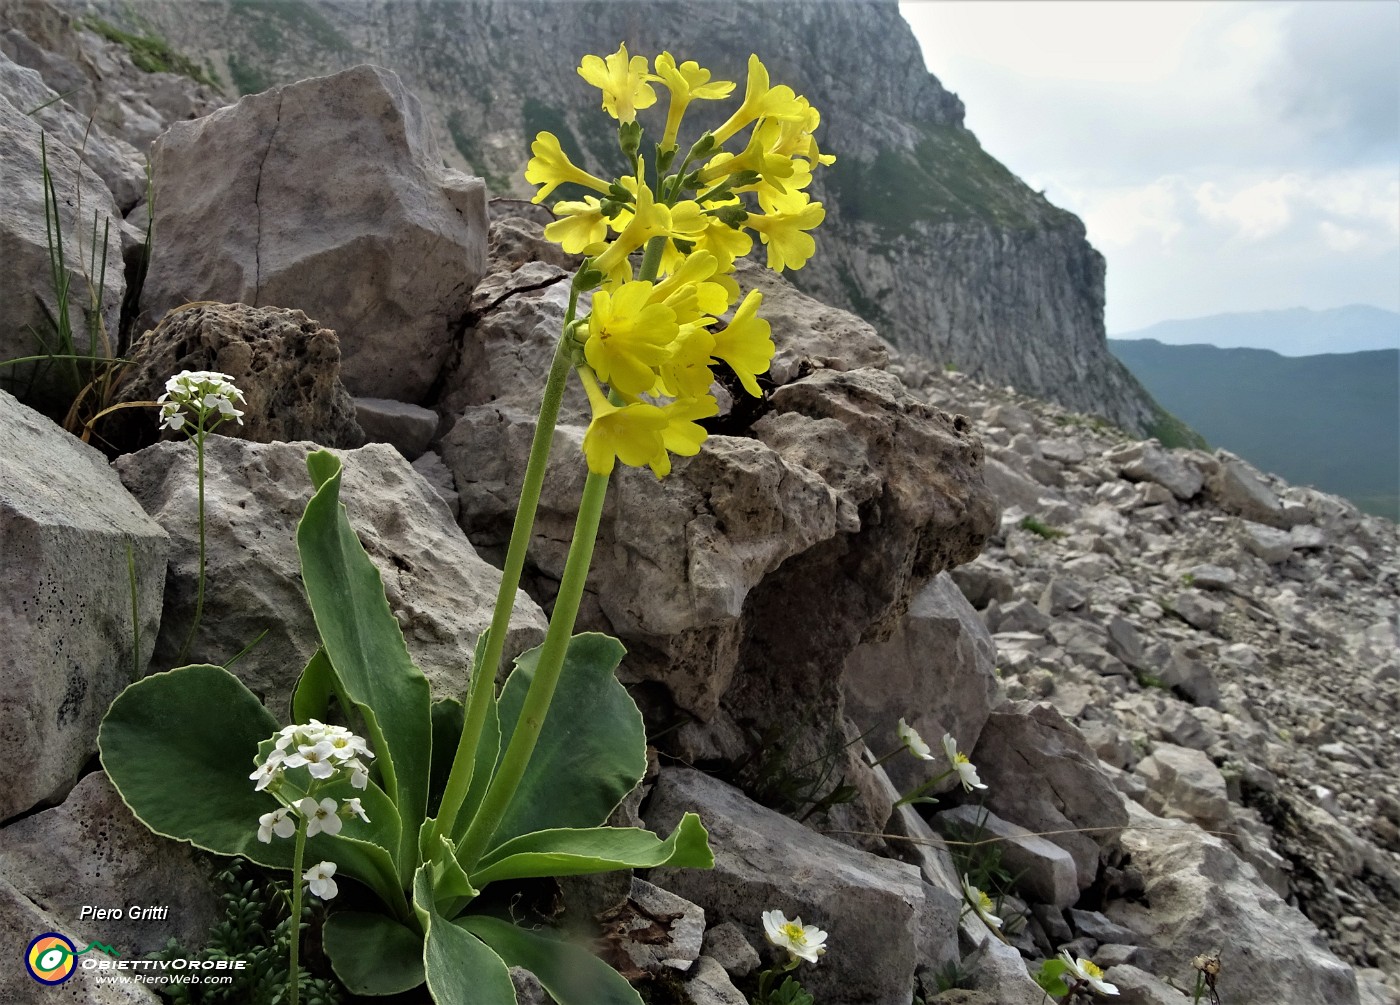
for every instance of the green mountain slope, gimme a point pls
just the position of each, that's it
(1331, 421)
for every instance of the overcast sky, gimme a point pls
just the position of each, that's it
(1225, 156)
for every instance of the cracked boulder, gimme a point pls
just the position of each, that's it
(327, 196)
(840, 491)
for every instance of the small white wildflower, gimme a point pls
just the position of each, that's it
(319, 878)
(909, 736)
(805, 942)
(359, 774)
(967, 773)
(346, 745)
(352, 808)
(316, 758)
(1088, 972)
(206, 392)
(277, 822)
(981, 904)
(264, 773)
(320, 816)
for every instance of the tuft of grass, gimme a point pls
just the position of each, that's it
(1041, 529)
(151, 54)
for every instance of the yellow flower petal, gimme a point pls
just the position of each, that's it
(623, 82)
(550, 167)
(746, 344)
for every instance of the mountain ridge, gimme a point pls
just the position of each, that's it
(1331, 420)
(1293, 331)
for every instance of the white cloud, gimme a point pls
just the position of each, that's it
(1223, 156)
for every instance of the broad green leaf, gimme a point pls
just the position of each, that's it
(373, 954)
(363, 642)
(461, 970)
(596, 849)
(312, 696)
(179, 747)
(593, 748)
(571, 975)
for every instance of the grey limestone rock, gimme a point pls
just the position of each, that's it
(874, 909)
(380, 242)
(1204, 897)
(440, 590)
(934, 671)
(90, 851)
(66, 631)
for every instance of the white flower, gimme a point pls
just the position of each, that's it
(981, 904)
(277, 822)
(910, 737)
(319, 816)
(205, 392)
(265, 773)
(803, 942)
(967, 773)
(359, 774)
(346, 745)
(1088, 972)
(315, 757)
(352, 808)
(318, 877)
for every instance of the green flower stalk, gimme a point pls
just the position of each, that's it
(198, 401)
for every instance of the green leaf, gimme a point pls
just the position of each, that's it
(311, 698)
(373, 954)
(1050, 977)
(179, 747)
(592, 750)
(366, 649)
(460, 969)
(576, 852)
(571, 975)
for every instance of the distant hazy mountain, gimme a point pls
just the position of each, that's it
(1295, 332)
(1331, 421)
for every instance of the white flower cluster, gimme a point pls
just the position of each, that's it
(328, 753)
(324, 751)
(206, 393)
(802, 942)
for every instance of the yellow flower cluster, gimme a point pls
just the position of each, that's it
(652, 335)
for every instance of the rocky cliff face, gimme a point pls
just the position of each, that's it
(928, 237)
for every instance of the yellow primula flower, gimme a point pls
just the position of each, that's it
(746, 344)
(688, 291)
(551, 167)
(682, 434)
(628, 337)
(648, 219)
(758, 155)
(760, 102)
(623, 82)
(726, 243)
(686, 372)
(687, 82)
(639, 433)
(628, 433)
(788, 246)
(581, 226)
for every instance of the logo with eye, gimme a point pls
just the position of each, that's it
(50, 958)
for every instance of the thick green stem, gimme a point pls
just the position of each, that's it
(484, 676)
(925, 787)
(199, 594)
(536, 705)
(293, 973)
(551, 663)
